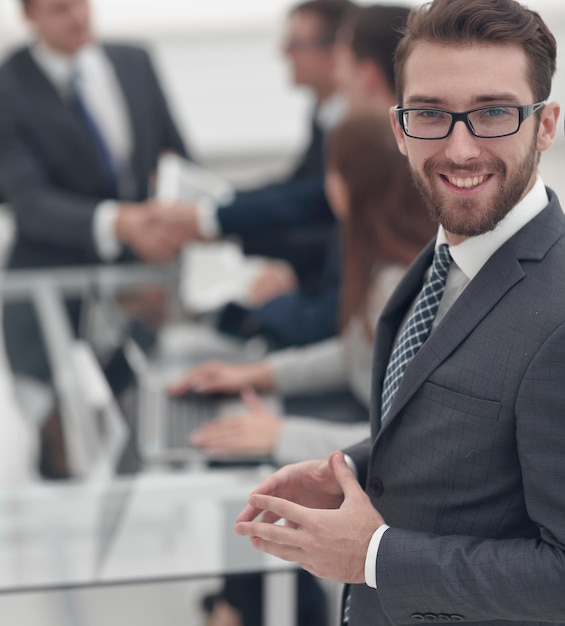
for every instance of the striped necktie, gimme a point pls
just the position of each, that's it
(417, 328)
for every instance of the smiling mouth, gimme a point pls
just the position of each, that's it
(469, 182)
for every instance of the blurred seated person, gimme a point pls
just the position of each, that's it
(82, 124)
(384, 226)
(300, 314)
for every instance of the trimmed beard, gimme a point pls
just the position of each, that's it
(461, 218)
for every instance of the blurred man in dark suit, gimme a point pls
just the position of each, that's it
(269, 218)
(82, 125)
(364, 75)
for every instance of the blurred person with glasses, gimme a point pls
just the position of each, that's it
(290, 221)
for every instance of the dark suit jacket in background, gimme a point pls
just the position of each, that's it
(49, 169)
(294, 319)
(52, 178)
(293, 221)
(469, 468)
(312, 160)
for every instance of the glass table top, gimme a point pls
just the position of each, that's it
(149, 527)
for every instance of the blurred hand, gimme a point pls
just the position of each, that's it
(329, 519)
(218, 377)
(154, 231)
(274, 279)
(254, 432)
(223, 614)
(181, 217)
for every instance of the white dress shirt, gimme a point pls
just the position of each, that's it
(468, 259)
(103, 94)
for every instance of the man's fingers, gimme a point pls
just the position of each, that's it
(271, 533)
(271, 510)
(344, 476)
(283, 508)
(272, 518)
(282, 551)
(248, 514)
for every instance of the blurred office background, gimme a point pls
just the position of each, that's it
(221, 64)
(223, 69)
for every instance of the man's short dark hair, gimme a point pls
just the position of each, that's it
(331, 13)
(496, 22)
(373, 32)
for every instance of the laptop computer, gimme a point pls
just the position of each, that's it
(161, 424)
(164, 422)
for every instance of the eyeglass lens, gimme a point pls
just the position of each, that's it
(487, 122)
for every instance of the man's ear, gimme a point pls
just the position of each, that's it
(398, 132)
(548, 126)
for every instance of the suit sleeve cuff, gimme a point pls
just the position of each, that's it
(207, 221)
(371, 558)
(106, 243)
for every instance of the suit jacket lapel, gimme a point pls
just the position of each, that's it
(56, 113)
(496, 278)
(58, 120)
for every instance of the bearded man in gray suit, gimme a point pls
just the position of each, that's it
(454, 509)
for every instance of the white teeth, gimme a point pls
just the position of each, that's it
(466, 183)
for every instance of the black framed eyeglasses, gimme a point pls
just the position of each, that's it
(487, 122)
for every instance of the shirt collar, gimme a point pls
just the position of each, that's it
(471, 254)
(59, 66)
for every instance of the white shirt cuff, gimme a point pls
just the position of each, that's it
(107, 244)
(371, 558)
(207, 219)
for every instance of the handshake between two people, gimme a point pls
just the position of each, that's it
(156, 230)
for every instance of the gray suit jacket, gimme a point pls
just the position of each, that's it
(49, 169)
(469, 468)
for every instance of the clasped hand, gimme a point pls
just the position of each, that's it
(156, 231)
(328, 518)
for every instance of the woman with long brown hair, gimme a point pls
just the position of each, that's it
(384, 225)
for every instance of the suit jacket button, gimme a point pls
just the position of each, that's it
(376, 487)
(457, 618)
(430, 617)
(442, 617)
(417, 617)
